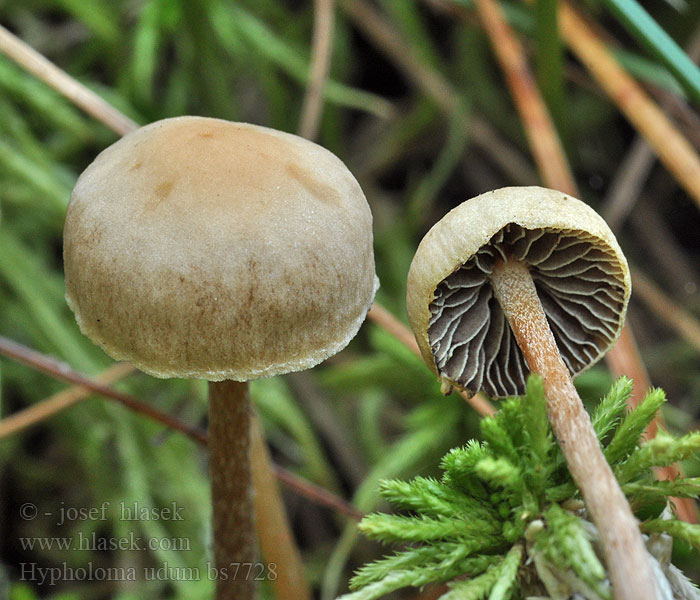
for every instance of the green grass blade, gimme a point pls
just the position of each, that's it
(648, 32)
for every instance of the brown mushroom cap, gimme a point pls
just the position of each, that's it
(578, 268)
(197, 247)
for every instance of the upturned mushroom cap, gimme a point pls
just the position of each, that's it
(580, 274)
(196, 247)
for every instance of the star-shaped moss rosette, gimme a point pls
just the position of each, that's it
(506, 521)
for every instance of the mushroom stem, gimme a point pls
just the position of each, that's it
(232, 500)
(627, 559)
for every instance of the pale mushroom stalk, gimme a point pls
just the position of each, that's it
(626, 556)
(232, 500)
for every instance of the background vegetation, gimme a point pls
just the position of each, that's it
(418, 108)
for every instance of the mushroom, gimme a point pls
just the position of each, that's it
(530, 279)
(197, 247)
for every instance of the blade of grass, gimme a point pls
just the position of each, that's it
(428, 190)
(98, 16)
(632, 174)
(648, 32)
(30, 281)
(550, 60)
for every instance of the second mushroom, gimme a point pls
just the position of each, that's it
(524, 280)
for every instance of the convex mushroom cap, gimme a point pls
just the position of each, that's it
(580, 274)
(197, 247)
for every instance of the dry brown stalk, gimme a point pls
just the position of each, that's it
(389, 323)
(628, 183)
(322, 47)
(62, 371)
(624, 361)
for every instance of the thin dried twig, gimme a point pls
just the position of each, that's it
(60, 401)
(29, 59)
(321, 50)
(61, 370)
(389, 323)
(316, 493)
(625, 361)
(274, 533)
(673, 267)
(628, 183)
(540, 131)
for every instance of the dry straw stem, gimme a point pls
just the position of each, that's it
(321, 49)
(541, 135)
(28, 58)
(60, 401)
(674, 151)
(675, 268)
(384, 319)
(628, 183)
(431, 83)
